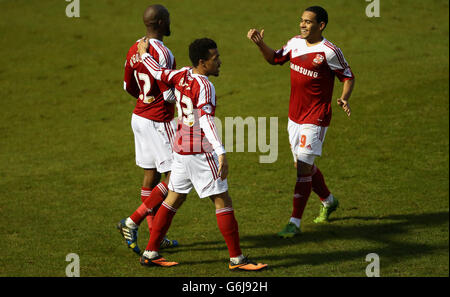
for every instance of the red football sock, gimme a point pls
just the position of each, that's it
(318, 184)
(140, 214)
(157, 196)
(161, 224)
(151, 217)
(145, 192)
(228, 226)
(301, 195)
(154, 200)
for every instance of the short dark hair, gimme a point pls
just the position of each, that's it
(321, 14)
(199, 49)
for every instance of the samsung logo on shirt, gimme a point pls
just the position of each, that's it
(304, 71)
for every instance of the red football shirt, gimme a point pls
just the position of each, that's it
(313, 69)
(151, 94)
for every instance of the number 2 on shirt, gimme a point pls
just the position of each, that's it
(147, 86)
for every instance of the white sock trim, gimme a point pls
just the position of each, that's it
(130, 224)
(329, 201)
(295, 221)
(169, 207)
(225, 209)
(150, 254)
(236, 260)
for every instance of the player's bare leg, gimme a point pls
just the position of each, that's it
(161, 224)
(151, 178)
(228, 226)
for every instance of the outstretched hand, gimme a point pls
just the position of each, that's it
(256, 36)
(344, 104)
(143, 46)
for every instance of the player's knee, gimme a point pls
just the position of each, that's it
(306, 158)
(180, 199)
(305, 164)
(222, 200)
(175, 200)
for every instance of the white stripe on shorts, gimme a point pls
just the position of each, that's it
(322, 133)
(169, 132)
(212, 165)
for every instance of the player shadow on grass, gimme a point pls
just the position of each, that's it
(381, 235)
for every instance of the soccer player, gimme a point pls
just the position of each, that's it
(199, 157)
(152, 123)
(314, 63)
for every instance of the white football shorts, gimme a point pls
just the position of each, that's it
(306, 141)
(199, 171)
(153, 143)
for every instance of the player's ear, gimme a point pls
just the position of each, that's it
(322, 26)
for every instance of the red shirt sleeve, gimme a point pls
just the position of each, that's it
(282, 56)
(344, 74)
(130, 84)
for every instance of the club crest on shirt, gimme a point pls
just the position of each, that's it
(207, 108)
(318, 60)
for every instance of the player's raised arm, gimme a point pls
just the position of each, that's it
(257, 37)
(153, 67)
(150, 63)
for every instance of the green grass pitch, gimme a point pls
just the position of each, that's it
(67, 171)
